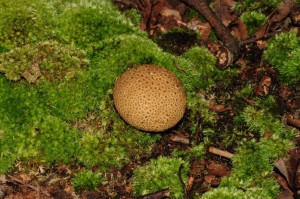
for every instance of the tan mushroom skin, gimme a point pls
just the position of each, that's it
(149, 98)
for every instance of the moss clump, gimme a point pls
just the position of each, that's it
(253, 20)
(86, 180)
(160, 174)
(25, 21)
(283, 53)
(95, 21)
(47, 60)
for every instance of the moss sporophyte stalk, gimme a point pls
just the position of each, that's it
(57, 72)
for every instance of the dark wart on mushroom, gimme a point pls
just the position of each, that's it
(149, 98)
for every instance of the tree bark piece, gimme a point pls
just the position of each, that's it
(230, 43)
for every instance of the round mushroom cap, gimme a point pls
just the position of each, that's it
(149, 98)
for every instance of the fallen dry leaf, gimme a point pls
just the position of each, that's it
(32, 74)
(283, 10)
(218, 169)
(264, 86)
(282, 182)
(240, 30)
(167, 12)
(3, 179)
(219, 108)
(203, 27)
(223, 9)
(212, 179)
(285, 195)
(293, 121)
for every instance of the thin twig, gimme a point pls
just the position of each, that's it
(182, 183)
(159, 194)
(220, 152)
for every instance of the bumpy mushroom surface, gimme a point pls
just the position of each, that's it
(149, 98)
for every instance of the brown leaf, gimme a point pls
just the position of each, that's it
(32, 74)
(203, 27)
(223, 9)
(281, 166)
(240, 31)
(25, 177)
(283, 10)
(282, 182)
(157, 7)
(167, 12)
(212, 179)
(293, 121)
(288, 168)
(218, 169)
(3, 179)
(285, 195)
(219, 108)
(92, 195)
(295, 153)
(261, 44)
(285, 92)
(264, 86)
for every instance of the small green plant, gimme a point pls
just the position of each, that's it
(205, 63)
(283, 53)
(253, 20)
(86, 180)
(160, 174)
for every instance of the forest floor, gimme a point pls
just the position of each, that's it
(159, 17)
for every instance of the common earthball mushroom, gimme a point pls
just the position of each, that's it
(149, 98)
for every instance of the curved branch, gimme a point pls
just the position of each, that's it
(201, 6)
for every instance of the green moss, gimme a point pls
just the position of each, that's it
(48, 60)
(86, 180)
(160, 174)
(204, 62)
(134, 16)
(253, 20)
(283, 53)
(94, 21)
(198, 110)
(25, 21)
